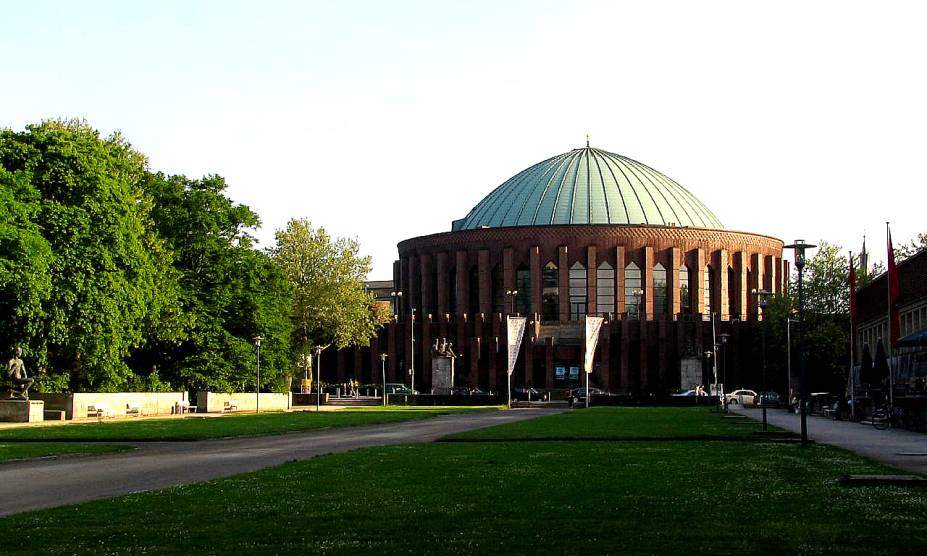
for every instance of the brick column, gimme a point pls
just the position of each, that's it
(644, 352)
(698, 288)
(742, 290)
(425, 262)
(441, 263)
(625, 350)
(672, 283)
(404, 265)
(549, 362)
(563, 269)
(604, 355)
(508, 279)
(758, 263)
(392, 358)
(591, 281)
(415, 286)
(485, 300)
(720, 294)
(535, 260)
(463, 282)
(619, 286)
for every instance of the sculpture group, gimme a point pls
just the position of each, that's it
(19, 380)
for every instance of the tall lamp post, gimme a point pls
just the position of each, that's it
(412, 353)
(257, 383)
(638, 294)
(511, 294)
(763, 302)
(397, 297)
(318, 378)
(709, 356)
(724, 337)
(383, 368)
(799, 248)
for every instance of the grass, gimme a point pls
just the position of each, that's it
(29, 450)
(217, 427)
(561, 497)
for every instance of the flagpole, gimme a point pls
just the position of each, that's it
(852, 339)
(888, 282)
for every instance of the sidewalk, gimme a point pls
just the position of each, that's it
(900, 448)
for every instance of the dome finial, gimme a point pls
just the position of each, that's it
(587, 140)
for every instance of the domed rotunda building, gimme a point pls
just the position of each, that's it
(587, 232)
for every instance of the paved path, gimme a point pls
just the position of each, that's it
(36, 484)
(892, 446)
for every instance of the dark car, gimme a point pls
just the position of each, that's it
(399, 388)
(527, 394)
(767, 399)
(580, 393)
(467, 391)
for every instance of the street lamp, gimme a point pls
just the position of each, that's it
(799, 248)
(318, 378)
(257, 384)
(383, 366)
(397, 297)
(709, 354)
(412, 353)
(724, 336)
(511, 294)
(762, 297)
(637, 295)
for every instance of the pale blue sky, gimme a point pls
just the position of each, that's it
(353, 113)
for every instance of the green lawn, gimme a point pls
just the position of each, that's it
(28, 450)
(558, 497)
(194, 428)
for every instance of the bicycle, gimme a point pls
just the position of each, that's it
(880, 418)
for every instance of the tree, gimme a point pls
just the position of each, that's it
(827, 281)
(907, 250)
(110, 274)
(330, 304)
(230, 292)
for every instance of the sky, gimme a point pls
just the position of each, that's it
(386, 120)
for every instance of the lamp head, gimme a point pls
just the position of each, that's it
(382, 357)
(799, 247)
(258, 340)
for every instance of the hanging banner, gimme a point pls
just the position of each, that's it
(516, 329)
(593, 326)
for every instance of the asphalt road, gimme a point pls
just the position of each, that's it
(35, 484)
(900, 448)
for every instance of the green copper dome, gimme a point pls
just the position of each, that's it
(589, 186)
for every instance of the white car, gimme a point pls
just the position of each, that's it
(742, 397)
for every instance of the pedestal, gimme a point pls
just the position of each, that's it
(22, 411)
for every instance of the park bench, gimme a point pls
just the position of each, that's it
(229, 406)
(97, 410)
(134, 408)
(183, 406)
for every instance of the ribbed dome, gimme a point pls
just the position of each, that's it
(589, 186)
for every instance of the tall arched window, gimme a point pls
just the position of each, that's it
(632, 290)
(523, 286)
(498, 291)
(605, 289)
(709, 286)
(659, 291)
(473, 290)
(578, 291)
(685, 296)
(550, 292)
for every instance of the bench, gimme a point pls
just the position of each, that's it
(183, 406)
(97, 410)
(229, 406)
(134, 409)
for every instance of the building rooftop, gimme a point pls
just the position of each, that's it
(589, 186)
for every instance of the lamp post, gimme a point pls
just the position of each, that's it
(709, 356)
(383, 367)
(412, 353)
(724, 337)
(788, 350)
(397, 297)
(318, 378)
(511, 294)
(637, 295)
(257, 383)
(799, 248)
(763, 302)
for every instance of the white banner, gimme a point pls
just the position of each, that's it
(593, 325)
(516, 329)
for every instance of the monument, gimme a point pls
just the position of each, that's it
(16, 406)
(442, 367)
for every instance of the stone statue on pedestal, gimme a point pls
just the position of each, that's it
(16, 372)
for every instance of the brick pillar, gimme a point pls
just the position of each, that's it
(663, 347)
(508, 279)
(392, 359)
(549, 362)
(563, 269)
(672, 283)
(644, 352)
(493, 354)
(784, 276)
(604, 355)
(619, 285)
(535, 260)
(527, 352)
(424, 374)
(485, 282)
(441, 263)
(647, 282)
(463, 281)
(758, 282)
(473, 376)
(404, 266)
(625, 350)
(591, 281)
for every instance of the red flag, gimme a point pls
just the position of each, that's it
(894, 318)
(852, 301)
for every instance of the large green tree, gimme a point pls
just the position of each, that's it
(230, 292)
(330, 304)
(110, 274)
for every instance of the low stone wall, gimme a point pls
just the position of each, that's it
(215, 402)
(21, 411)
(115, 404)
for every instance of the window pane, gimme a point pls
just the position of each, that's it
(659, 290)
(632, 289)
(605, 289)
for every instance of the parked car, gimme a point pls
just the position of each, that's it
(526, 394)
(399, 388)
(684, 393)
(768, 399)
(580, 393)
(742, 397)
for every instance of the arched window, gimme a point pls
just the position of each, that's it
(605, 289)
(632, 290)
(550, 292)
(523, 286)
(578, 291)
(473, 290)
(709, 287)
(659, 291)
(685, 296)
(498, 292)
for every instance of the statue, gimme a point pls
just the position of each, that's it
(16, 372)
